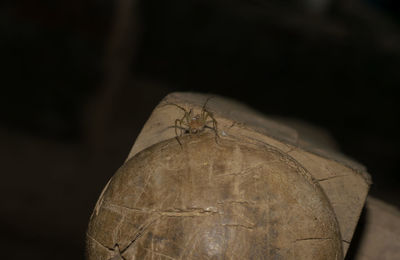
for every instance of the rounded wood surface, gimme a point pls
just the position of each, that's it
(212, 200)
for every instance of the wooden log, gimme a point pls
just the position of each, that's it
(244, 187)
(381, 234)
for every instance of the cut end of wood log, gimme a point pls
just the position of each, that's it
(244, 188)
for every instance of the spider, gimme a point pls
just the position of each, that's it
(191, 123)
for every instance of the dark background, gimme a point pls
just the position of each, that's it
(80, 78)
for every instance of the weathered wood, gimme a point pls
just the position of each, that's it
(381, 235)
(259, 190)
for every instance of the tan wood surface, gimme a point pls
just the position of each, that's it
(380, 238)
(264, 189)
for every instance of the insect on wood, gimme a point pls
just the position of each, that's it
(191, 123)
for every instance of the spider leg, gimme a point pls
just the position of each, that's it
(214, 122)
(205, 103)
(204, 110)
(184, 127)
(180, 128)
(215, 126)
(181, 121)
(188, 116)
(178, 106)
(178, 125)
(188, 120)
